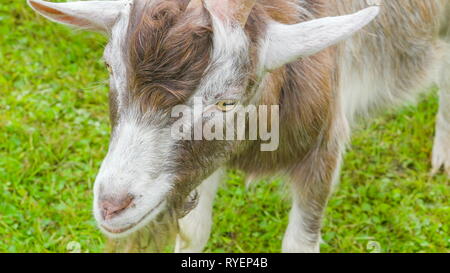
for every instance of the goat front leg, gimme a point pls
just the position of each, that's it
(441, 149)
(195, 227)
(312, 182)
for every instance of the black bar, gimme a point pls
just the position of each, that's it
(143, 263)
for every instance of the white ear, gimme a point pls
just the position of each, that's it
(287, 43)
(93, 15)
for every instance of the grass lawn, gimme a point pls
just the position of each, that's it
(54, 133)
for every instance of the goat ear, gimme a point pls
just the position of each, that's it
(92, 15)
(287, 43)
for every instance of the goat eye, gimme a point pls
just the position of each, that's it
(226, 105)
(109, 68)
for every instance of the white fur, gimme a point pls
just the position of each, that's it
(297, 239)
(134, 165)
(114, 55)
(101, 15)
(286, 43)
(229, 43)
(195, 228)
(441, 149)
(137, 150)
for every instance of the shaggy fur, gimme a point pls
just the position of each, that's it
(401, 48)
(170, 51)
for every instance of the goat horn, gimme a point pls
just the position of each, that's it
(234, 10)
(242, 9)
(194, 4)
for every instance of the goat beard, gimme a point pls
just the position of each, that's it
(158, 235)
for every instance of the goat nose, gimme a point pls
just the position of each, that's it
(111, 207)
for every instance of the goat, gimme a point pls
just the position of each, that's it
(323, 62)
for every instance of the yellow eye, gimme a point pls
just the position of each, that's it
(226, 105)
(109, 68)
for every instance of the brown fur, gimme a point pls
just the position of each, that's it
(169, 52)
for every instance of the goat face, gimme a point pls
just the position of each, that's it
(162, 54)
(167, 57)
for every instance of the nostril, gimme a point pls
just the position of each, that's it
(111, 207)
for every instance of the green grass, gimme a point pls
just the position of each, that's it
(54, 132)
